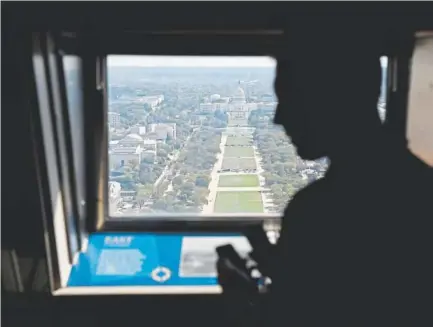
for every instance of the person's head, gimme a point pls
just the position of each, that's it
(328, 91)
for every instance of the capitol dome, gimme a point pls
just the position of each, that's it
(215, 97)
(239, 96)
(240, 93)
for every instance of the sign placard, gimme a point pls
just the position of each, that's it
(144, 259)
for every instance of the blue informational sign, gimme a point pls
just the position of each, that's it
(141, 259)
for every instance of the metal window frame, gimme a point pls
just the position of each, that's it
(94, 49)
(51, 160)
(399, 59)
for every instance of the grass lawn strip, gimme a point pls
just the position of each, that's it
(239, 140)
(238, 151)
(238, 202)
(239, 163)
(238, 181)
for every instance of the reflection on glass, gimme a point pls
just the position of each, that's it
(196, 135)
(72, 70)
(381, 105)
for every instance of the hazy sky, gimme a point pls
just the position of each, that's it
(190, 61)
(196, 61)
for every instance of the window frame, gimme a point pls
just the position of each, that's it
(399, 58)
(51, 148)
(93, 49)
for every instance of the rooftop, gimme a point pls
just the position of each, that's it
(131, 137)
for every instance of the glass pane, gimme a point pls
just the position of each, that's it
(74, 94)
(420, 104)
(381, 106)
(72, 69)
(196, 135)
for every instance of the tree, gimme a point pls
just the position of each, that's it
(202, 181)
(271, 178)
(162, 153)
(177, 166)
(141, 200)
(147, 107)
(147, 177)
(148, 158)
(160, 205)
(199, 199)
(277, 191)
(221, 115)
(178, 180)
(169, 138)
(187, 189)
(177, 145)
(184, 170)
(188, 186)
(133, 163)
(172, 194)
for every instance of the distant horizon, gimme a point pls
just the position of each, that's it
(198, 61)
(71, 63)
(191, 61)
(201, 67)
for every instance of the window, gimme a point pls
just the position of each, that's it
(185, 152)
(189, 138)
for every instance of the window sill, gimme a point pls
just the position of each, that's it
(132, 290)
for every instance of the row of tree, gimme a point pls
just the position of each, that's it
(279, 161)
(190, 185)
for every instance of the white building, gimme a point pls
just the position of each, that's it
(122, 156)
(113, 119)
(237, 107)
(127, 196)
(239, 110)
(114, 198)
(131, 140)
(152, 100)
(149, 145)
(270, 107)
(162, 130)
(267, 98)
(113, 144)
(139, 130)
(207, 107)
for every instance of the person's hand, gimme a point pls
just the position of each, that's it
(233, 274)
(263, 252)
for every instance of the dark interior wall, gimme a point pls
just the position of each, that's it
(22, 227)
(21, 204)
(21, 211)
(21, 219)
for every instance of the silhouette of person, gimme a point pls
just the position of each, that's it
(354, 245)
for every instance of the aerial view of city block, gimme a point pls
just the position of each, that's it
(196, 135)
